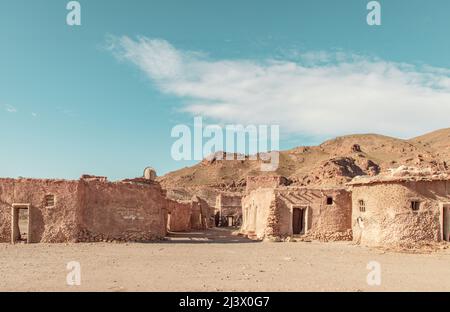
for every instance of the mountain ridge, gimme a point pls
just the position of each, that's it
(331, 163)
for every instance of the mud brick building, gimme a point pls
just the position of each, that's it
(85, 210)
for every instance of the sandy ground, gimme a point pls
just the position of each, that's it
(215, 260)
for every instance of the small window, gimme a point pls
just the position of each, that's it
(415, 205)
(49, 200)
(362, 205)
(329, 200)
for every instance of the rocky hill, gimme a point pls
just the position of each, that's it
(437, 142)
(331, 163)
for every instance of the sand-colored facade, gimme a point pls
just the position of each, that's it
(229, 209)
(184, 216)
(281, 212)
(179, 216)
(400, 211)
(85, 210)
(404, 206)
(202, 216)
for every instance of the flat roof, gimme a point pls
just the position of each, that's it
(402, 174)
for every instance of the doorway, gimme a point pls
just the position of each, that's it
(20, 225)
(230, 220)
(169, 218)
(298, 221)
(446, 223)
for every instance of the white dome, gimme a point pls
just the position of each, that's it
(149, 173)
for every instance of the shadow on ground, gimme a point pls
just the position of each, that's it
(210, 236)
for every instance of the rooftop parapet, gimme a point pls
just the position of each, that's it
(402, 174)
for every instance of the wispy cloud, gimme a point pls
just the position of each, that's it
(318, 94)
(10, 109)
(66, 111)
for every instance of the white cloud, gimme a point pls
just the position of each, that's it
(320, 94)
(10, 109)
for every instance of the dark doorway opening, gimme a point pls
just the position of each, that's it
(298, 223)
(446, 223)
(20, 227)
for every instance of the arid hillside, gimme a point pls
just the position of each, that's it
(437, 142)
(333, 162)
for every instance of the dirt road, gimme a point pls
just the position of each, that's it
(215, 260)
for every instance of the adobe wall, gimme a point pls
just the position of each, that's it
(229, 205)
(265, 181)
(90, 209)
(179, 216)
(268, 212)
(48, 224)
(323, 221)
(206, 213)
(199, 216)
(388, 218)
(256, 208)
(122, 211)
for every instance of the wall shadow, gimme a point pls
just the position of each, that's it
(210, 236)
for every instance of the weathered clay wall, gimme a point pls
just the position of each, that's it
(268, 212)
(323, 221)
(388, 218)
(179, 216)
(122, 211)
(264, 181)
(197, 220)
(230, 205)
(86, 210)
(255, 212)
(206, 211)
(48, 224)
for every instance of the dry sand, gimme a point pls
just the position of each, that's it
(215, 260)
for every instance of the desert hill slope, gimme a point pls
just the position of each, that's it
(437, 142)
(331, 163)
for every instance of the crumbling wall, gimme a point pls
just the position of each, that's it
(265, 181)
(198, 220)
(255, 212)
(268, 212)
(179, 216)
(229, 205)
(122, 211)
(206, 211)
(323, 221)
(90, 209)
(388, 218)
(54, 224)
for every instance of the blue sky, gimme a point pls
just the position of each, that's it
(83, 99)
